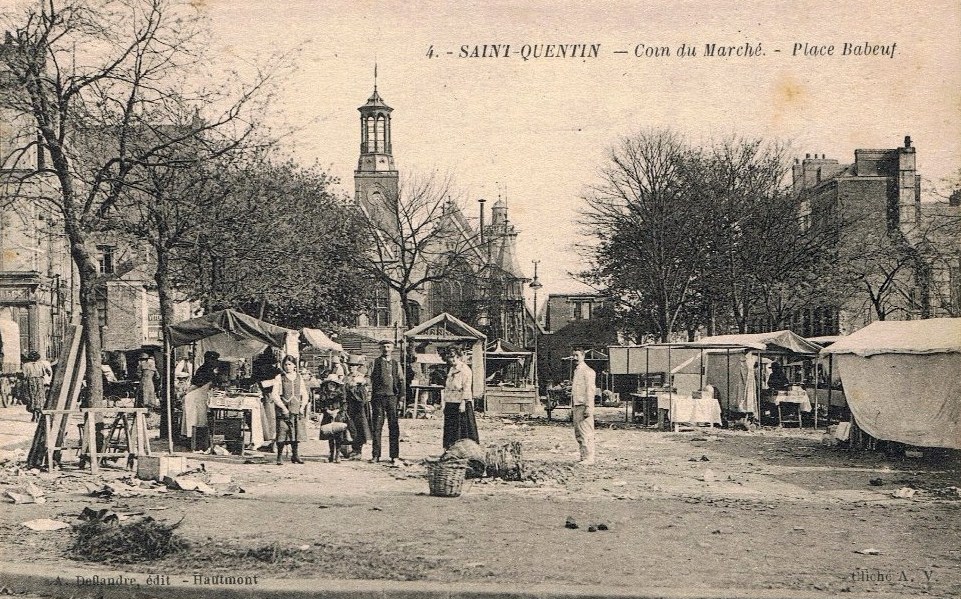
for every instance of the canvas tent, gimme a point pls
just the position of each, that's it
(319, 339)
(901, 380)
(232, 334)
(446, 330)
(726, 362)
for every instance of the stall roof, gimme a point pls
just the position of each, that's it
(499, 351)
(774, 342)
(445, 326)
(590, 354)
(227, 321)
(320, 340)
(932, 336)
(825, 340)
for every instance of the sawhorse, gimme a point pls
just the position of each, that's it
(139, 431)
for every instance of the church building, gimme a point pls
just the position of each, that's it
(490, 293)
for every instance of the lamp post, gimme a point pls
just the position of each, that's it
(536, 285)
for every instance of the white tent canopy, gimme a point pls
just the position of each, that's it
(319, 339)
(901, 380)
(773, 342)
(932, 336)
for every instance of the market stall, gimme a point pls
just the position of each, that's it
(510, 386)
(316, 351)
(445, 330)
(230, 413)
(730, 368)
(901, 380)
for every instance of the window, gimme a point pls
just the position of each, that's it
(581, 310)
(413, 308)
(454, 295)
(371, 136)
(102, 305)
(381, 126)
(379, 313)
(105, 259)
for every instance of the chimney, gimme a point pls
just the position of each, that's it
(481, 202)
(907, 141)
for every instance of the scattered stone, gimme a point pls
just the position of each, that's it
(570, 523)
(876, 482)
(869, 551)
(905, 492)
(44, 524)
(591, 528)
(704, 458)
(603, 526)
(219, 479)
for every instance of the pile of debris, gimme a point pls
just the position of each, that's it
(100, 537)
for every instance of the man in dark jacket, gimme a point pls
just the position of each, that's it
(387, 386)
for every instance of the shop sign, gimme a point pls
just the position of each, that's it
(15, 294)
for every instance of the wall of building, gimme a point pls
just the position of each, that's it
(563, 309)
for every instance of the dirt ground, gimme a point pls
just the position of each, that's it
(691, 510)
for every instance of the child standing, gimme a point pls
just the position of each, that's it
(334, 426)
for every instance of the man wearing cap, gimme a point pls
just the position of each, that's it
(387, 386)
(583, 389)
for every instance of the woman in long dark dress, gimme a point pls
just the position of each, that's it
(459, 421)
(291, 399)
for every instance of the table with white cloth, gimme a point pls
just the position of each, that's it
(688, 409)
(248, 405)
(794, 395)
(798, 396)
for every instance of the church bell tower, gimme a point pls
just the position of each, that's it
(375, 180)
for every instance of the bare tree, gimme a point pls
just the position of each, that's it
(649, 234)
(418, 236)
(98, 80)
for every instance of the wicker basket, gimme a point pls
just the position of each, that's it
(446, 478)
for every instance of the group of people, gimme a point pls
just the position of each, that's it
(31, 385)
(357, 400)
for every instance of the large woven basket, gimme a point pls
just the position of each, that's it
(446, 477)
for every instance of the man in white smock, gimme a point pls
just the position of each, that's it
(583, 389)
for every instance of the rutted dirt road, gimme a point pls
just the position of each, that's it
(700, 509)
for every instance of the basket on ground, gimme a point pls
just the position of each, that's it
(446, 477)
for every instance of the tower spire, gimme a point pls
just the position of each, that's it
(375, 75)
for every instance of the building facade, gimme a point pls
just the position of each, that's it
(38, 279)
(907, 249)
(564, 308)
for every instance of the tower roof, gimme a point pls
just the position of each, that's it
(375, 102)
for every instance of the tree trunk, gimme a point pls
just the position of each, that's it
(405, 310)
(164, 288)
(90, 320)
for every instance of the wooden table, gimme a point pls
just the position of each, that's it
(644, 400)
(422, 396)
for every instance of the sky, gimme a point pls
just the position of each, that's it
(535, 132)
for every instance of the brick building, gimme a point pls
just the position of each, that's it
(876, 200)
